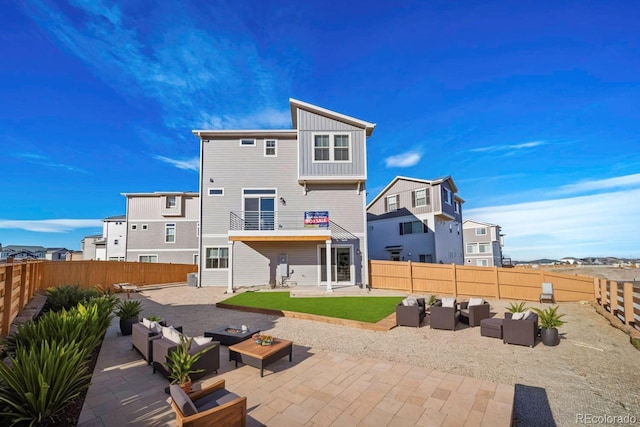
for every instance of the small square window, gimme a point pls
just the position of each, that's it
(270, 149)
(145, 227)
(134, 226)
(171, 202)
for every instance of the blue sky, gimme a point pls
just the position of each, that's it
(532, 107)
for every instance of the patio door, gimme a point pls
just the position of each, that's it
(340, 264)
(259, 209)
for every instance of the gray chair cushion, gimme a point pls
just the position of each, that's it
(214, 399)
(182, 401)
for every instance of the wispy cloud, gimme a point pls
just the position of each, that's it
(404, 160)
(619, 182)
(590, 225)
(41, 160)
(268, 118)
(193, 72)
(508, 148)
(50, 225)
(188, 164)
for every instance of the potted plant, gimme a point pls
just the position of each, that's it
(128, 311)
(550, 322)
(180, 363)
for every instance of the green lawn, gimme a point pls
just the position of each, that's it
(363, 309)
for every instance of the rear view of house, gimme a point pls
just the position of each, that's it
(482, 244)
(416, 220)
(285, 206)
(162, 227)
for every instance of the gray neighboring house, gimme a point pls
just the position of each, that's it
(274, 203)
(58, 254)
(418, 220)
(482, 244)
(162, 227)
(93, 248)
(19, 252)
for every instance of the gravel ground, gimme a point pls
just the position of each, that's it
(594, 370)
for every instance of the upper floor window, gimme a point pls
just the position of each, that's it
(413, 227)
(116, 241)
(270, 148)
(216, 191)
(145, 226)
(481, 231)
(457, 206)
(478, 248)
(171, 202)
(420, 197)
(247, 142)
(170, 233)
(391, 203)
(331, 148)
(134, 226)
(446, 195)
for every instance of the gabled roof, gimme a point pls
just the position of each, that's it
(421, 181)
(162, 193)
(297, 104)
(486, 224)
(24, 248)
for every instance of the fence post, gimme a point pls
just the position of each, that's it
(6, 313)
(410, 276)
(627, 298)
(23, 285)
(497, 283)
(596, 289)
(370, 275)
(455, 280)
(603, 292)
(613, 297)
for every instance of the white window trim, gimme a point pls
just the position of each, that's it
(478, 233)
(275, 148)
(204, 258)
(482, 262)
(145, 227)
(169, 205)
(426, 197)
(215, 195)
(141, 255)
(247, 139)
(352, 270)
(175, 232)
(134, 226)
(332, 146)
(448, 199)
(396, 200)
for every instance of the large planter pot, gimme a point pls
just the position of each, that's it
(550, 337)
(126, 325)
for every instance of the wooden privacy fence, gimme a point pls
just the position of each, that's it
(489, 282)
(19, 281)
(620, 299)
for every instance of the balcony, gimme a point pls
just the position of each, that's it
(256, 226)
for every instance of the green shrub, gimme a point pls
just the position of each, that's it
(68, 296)
(517, 307)
(128, 309)
(549, 317)
(39, 384)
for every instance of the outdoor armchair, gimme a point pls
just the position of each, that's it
(474, 310)
(409, 313)
(547, 292)
(444, 317)
(142, 340)
(522, 331)
(212, 406)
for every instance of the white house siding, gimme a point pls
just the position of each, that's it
(449, 245)
(115, 230)
(386, 232)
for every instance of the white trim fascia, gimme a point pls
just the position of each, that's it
(296, 105)
(350, 178)
(221, 236)
(162, 193)
(146, 221)
(204, 133)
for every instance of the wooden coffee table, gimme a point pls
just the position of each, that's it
(259, 356)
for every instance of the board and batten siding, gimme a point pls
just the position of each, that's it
(404, 188)
(310, 124)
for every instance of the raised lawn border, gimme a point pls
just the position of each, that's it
(385, 324)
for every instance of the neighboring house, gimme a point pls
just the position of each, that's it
(58, 254)
(76, 256)
(23, 252)
(114, 231)
(285, 206)
(162, 227)
(94, 248)
(482, 244)
(417, 220)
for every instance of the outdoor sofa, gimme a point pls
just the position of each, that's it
(474, 310)
(209, 362)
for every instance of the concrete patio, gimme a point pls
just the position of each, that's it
(319, 388)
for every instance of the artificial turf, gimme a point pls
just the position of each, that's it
(363, 309)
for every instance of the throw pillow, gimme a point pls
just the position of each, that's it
(155, 327)
(517, 316)
(448, 302)
(146, 322)
(476, 301)
(171, 334)
(527, 314)
(412, 302)
(201, 340)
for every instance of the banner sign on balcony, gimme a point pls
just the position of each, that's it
(317, 219)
